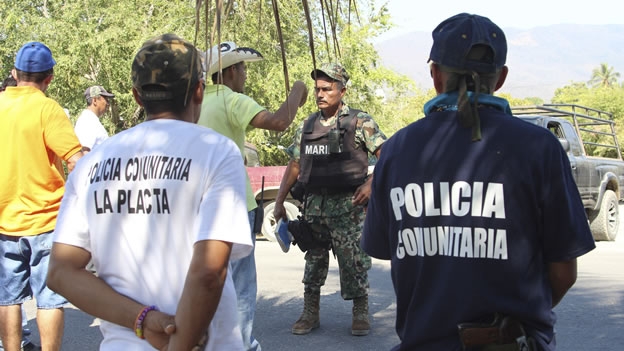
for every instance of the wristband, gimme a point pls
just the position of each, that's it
(138, 323)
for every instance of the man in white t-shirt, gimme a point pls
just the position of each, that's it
(161, 209)
(89, 129)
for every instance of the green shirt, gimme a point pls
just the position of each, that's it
(229, 113)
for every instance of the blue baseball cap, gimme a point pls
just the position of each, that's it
(34, 57)
(456, 36)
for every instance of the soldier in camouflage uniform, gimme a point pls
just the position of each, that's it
(333, 169)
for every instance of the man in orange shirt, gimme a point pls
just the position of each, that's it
(27, 345)
(35, 131)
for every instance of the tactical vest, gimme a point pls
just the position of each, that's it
(323, 166)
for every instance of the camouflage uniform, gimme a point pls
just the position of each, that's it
(334, 217)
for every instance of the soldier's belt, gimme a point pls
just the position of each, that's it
(331, 191)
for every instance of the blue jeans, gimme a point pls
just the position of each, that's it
(24, 269)
(246, 285)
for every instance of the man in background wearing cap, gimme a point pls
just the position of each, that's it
(35, 130)
(89, 129)
(329, 157)
(476, 209)
(227, 110)
(160, 211)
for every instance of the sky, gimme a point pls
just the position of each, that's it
(423, 15)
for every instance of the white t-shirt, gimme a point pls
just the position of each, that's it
(141, 200)
(89, 129)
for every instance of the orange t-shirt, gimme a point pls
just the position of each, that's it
(34, 130)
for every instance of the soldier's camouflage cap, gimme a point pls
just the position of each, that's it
(168, 63)
(333, 70)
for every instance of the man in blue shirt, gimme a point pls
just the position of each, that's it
(476, 209)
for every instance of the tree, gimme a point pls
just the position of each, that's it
(608, 99)
(604, 76)
(520, 102)
(94, 42)
(342, 36)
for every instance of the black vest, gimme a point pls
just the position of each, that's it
(322, 167)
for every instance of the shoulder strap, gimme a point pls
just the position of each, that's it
(345, 121)
(308, 125)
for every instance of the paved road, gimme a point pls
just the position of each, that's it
(591, 316)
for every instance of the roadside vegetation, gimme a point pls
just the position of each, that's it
(94, 41)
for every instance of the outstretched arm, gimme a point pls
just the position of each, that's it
(283, 117)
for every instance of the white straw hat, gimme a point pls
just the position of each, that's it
(230, 55)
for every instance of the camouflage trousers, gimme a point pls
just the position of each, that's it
(345, 232)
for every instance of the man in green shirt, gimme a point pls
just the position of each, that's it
(227, 110)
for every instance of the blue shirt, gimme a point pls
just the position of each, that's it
(470, 227)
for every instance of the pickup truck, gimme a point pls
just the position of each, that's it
(588, 136)
(265, 182)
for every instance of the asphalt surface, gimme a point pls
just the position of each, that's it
(590, 317)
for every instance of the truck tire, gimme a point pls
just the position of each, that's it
(605, 222)
(269, 223)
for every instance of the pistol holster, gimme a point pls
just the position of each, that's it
(503, 331)
(305, 237)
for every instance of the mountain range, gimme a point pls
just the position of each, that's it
(540, 59)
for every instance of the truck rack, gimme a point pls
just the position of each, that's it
(595, 128)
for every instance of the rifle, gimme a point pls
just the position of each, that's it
(259, 218)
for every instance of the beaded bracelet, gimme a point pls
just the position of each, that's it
(138, 323)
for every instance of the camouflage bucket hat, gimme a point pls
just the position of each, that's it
(333, 70)
(168, 65)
